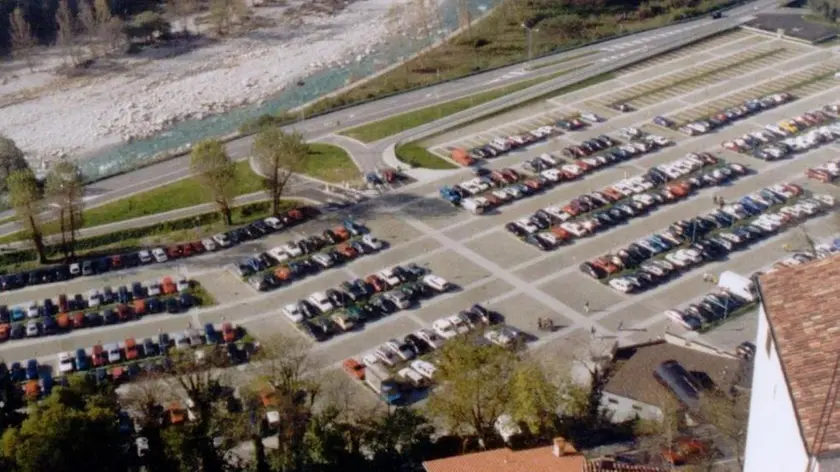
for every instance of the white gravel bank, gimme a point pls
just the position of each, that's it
(152, 95)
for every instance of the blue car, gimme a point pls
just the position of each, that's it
(18, 314)
(17, 372)
(31, 369)
(82, 360)
(210, 333)
(47, 383)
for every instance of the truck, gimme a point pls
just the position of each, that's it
(382, 383)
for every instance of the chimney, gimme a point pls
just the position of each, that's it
(559, 449)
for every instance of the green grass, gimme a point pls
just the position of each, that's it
(396, 124)
(565, 59)
(201, 295)
(706, 327)
(330, 163)
(7, 219)
(416, 155)
(177, 231)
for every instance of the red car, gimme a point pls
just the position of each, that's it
(378, 284)
(228, 333)
(354, 368)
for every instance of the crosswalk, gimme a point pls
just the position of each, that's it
(620, 55)
(638, 42)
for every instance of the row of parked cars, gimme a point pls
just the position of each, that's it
(115, 262)
(411, 357)
(309, 255)
(825, 173)
(127, 360)
(356, 302)
(502, 145)
(799, 134)
(626, 199)
(727, 116)
(711, 309)
(689, 243)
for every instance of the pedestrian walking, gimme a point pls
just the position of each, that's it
(721, 202)
(586, 307)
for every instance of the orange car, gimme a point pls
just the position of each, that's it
(167, 286)
(4, 332)
(177, 414)
(98, 356)
(378, 284)
(123, 313)
(283, 273)
(606, 264)
(131, 351)
(32, 390)
(347, 251)
(78, 320)
(228, 333)
(612, 194)
(341, 233)
(63, 321)
(561, 233)
(140, 307)
(354, 368)
(683, 450)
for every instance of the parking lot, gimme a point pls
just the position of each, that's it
(487, 264)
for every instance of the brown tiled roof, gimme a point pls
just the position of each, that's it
(539, 459)
(802, 305)
(633, 375)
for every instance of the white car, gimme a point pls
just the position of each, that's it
(159, 254)
(221, 239)
(424, 368)
(293, 313)
(458, 324)
(209, 244)
(114, 352)
(32, 329)
(323, 260)
(94, 298)
(273, 222)
(677, 260)
(622, 284)
(430, 337)
(75, 269)
(278, 254)
(182, 285)
(388, 276)
(145, 256)
(400, 349)
(591, 117)
(549, 159)
(436, 282)
(504, 337)
(292, 249)
(575, 228)
(65, 363)
(321, 302)
(411, 375)
(527, 225)
(444, 328)
(32, 311)
(371, 242)
(385, 356)
(153, 288)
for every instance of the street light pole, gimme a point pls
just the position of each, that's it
(530, 40)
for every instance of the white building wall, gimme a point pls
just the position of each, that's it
(623, 409)
(774, 443)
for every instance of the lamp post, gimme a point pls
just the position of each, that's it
(531, 32)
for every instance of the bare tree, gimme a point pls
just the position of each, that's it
(22, 39)
(65, 189)
(279, 155)
(109, 28)
(66, 37)
(216, 171)
(422, 16)
(182, 9)
(88, 25)
(25, 198)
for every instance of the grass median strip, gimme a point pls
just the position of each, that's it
(565, 59)
(416, 155)
(382, 129)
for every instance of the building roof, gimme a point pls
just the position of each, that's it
(802, 309)
(610, 466)
(632, 376)
(540, 459)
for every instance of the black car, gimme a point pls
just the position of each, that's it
(137, 290)
(49, 307)
(108, 295)
(87, 268)
(154, 305)
(18, 331)
(4, 314)
(172, 306)
(109, 316)
(93, 319)
(150, 349)
(417, 345)
(50, 326)
(185, 300)
(593, 270)
(337, 297)
(123, 296)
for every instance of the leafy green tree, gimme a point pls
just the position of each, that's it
(25, 198)
(279, 155)
(398, 441)
(534, 399)
(65, 191)
(11, 159)
(11, 400)
(214, 168)
(74, 426)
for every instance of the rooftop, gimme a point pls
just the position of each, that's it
(794, 25)
(636, 363)
(540, 459)
(801, 305)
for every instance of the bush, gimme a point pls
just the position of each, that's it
(266, 119)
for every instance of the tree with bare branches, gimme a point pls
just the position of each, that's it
(64, 191)
(88, 25)
(279, 155)
(182, 9)
(23, 41)
(66, 37)
(224, 12)
(210, 162)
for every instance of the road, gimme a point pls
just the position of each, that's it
(369, 157)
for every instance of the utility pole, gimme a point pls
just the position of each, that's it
(531, 32)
